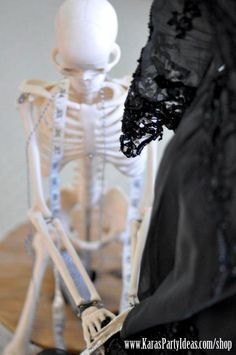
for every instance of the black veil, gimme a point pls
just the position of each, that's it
(186, 81)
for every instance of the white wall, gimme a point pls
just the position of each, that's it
(26, 38)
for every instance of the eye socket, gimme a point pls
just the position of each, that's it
(100, 70)
(74, 71)
(71, 71)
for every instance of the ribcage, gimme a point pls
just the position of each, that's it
(89, 131)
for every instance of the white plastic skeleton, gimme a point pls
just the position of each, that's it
(139, 233)
(76, 120)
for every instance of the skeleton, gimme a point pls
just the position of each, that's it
(138, 238)
(77, 120)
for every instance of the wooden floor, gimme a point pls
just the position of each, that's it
(15, 273)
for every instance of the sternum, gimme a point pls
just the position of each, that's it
(89, 172)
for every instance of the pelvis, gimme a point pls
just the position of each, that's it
(103, 222)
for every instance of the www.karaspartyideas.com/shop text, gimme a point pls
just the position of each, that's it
(178, 344)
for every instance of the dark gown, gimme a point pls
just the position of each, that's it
(186, 81)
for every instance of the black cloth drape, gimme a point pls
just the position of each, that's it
(186, 81)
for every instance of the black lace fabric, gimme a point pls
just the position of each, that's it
(164, 84)
(183, 22)
(186, 81)
(144, 118)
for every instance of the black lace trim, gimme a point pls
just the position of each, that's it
(217, 186)
(183, 22)
(144, 119)
(155, 102)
